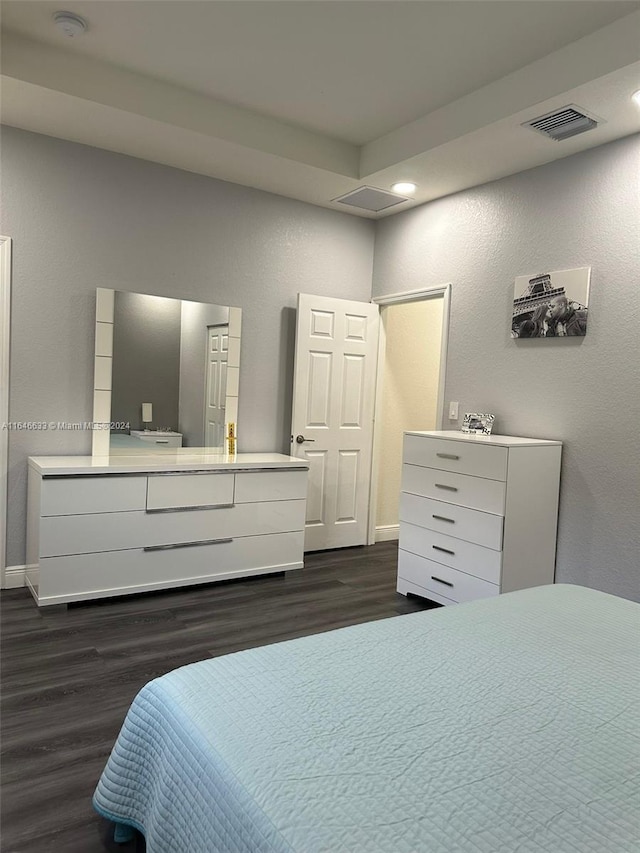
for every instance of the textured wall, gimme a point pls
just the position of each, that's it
(410, 390)
(580, 211)
(146, 359)
(82, 218)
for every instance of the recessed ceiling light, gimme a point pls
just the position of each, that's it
(70, 25)
(404, 187)
(636, 97)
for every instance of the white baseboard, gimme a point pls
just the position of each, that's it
(387, 533)
(15, 577)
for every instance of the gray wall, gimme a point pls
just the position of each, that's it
(83, 218)
(146, 359)
(580, 211)
(195, 320)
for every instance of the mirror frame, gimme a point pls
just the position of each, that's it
(103, 363)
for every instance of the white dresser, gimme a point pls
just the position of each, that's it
(99, 527)
(478, 514)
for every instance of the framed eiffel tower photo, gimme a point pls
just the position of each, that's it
(551, 304)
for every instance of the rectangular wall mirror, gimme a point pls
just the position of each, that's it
(167, 373)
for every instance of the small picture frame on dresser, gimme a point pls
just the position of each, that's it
(480, 423)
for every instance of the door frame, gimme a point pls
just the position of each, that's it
(436, 292)
(5, 331)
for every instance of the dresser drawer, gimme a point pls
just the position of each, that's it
(174, 491)
(118, 572)
(459, 457)
(78, 495)
(483, 528)
(82, 534)
(271, 486)
(473, 559)
(443, 580)
(460, 489)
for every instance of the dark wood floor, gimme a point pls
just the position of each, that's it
(68, 677)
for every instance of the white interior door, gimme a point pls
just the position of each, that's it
(216, 391)
(333, 410)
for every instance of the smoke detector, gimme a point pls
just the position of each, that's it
(71, 26)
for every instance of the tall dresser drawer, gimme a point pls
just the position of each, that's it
(459, 457)
(473, 559)
(483, 528)
(443, 580)
(177, 491)
(80, 495)
(460, 489)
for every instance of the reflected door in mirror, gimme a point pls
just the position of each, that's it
(216, 371)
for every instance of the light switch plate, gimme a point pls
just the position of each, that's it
(453, 411)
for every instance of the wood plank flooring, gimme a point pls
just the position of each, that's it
(68, 677)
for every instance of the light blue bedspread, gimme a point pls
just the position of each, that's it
(509, 725)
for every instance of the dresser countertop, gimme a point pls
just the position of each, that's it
(175, 459)
(497, 440)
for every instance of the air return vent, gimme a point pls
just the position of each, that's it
(564, 123)
(370, 198)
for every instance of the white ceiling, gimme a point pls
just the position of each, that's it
(353, 70)
(312, 99)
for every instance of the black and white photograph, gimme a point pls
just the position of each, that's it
(551, 304)
(478, 422)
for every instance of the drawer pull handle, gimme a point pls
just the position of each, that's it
(162, 441)
(443, 518)
(447, 456)
(444, 550)
(439, 580)
(448, 488)
(189, 508)
(186, 544)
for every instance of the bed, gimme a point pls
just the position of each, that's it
(503, 725)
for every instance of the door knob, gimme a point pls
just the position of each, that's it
(300, 439)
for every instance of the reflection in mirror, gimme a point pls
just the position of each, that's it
(166, 373)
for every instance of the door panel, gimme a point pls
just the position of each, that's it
(352, 391)
(333, 405)
(315, 495)
(347, 498)
(319, 391)
(355, 327)
(322, 324)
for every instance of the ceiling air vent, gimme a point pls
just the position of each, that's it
(564, 123)
(370, 198)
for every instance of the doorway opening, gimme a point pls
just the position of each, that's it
(410, 394)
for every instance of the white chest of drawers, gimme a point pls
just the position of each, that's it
(478, 514)
(98, 528)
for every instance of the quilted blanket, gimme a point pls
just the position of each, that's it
(503, 725)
